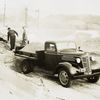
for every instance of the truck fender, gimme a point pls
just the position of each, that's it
(65, 65)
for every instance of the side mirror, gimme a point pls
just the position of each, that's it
(79, 49)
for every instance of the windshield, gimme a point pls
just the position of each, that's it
(66, 46)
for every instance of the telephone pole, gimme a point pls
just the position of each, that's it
(26, 16)
(4, 14)
(38, 17)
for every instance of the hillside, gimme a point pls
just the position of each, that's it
(92, 45)
(84, 22)
(77, 22)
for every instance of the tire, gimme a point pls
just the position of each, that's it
(26, 67)
(93, 79)
(64, 77)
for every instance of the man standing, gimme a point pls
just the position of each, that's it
(12, 37)
(24, 40)
(24, 37)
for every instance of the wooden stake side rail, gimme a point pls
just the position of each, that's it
(25, 56)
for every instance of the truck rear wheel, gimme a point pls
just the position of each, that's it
(26, 67)
(64, 77)
(93, 79)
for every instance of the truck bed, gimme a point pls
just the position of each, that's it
(29, 51)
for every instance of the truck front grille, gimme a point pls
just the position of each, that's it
(86, 64)
(84, 59)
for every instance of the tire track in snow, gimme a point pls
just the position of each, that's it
(88, 88)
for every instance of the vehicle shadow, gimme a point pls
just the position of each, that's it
(17, 65)
(35, 73)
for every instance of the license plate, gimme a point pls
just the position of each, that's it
(85, 71)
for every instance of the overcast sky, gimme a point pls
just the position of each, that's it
(48, 7)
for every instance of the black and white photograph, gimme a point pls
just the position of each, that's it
(49, 49)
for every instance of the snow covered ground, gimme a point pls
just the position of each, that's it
(37, 85)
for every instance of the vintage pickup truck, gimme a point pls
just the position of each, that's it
(60, 58)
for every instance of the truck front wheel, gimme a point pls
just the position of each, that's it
(93, 79)
(25, 67)
(64, 77)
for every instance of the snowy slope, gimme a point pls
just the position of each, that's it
(39, 86)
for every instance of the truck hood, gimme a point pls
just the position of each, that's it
(71, 56)
(75, 53)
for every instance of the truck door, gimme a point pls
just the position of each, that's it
(51, 57)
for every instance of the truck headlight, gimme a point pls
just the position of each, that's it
(92, 58)
(78, 60)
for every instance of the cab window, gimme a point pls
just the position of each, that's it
(50, 48)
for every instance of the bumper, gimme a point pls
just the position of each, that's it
(82, 75)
